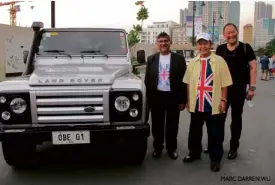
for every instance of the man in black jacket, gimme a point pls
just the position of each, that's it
(166, 95)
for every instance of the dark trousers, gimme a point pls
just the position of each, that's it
(215, 130)
(235, 100)
(165, 120)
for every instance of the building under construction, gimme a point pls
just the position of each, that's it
(13, 9)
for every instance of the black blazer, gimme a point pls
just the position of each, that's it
(177, 71)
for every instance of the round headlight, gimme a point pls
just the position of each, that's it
(133, 113)
(18, 105)
(122, 103)
(135, 97)
(3, 99)
(6, 115)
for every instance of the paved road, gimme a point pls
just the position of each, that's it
(257, 158)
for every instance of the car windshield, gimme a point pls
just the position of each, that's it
(83, 42)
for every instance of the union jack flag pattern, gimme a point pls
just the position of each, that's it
(205, 87)
(164, 81)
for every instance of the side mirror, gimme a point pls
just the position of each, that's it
(25, 56)
(36, 26)
(141, 56)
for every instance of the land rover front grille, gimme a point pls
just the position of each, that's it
(70, 107)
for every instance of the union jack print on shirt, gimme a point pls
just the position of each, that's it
(205, 87)
(164, 75)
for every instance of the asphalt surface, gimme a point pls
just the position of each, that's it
(74, 165)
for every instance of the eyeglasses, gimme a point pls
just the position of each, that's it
(163, 41)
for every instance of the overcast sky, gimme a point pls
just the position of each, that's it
(108, 13)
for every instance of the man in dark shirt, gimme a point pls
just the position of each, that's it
(265, 66)
(241, 61)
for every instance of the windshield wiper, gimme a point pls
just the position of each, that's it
(94, 52)
(61, 52)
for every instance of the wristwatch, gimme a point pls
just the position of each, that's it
(252, 88)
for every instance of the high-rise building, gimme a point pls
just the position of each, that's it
(264, 32)
(199, 8)
(183, 14)
(269, 10)
(248, 34)
(215, 16)
(234, 13)
(262, 10)
(190, 7)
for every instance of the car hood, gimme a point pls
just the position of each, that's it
(77, 74)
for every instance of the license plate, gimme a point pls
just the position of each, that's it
(70, 137)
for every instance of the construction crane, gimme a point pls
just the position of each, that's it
(13, 10)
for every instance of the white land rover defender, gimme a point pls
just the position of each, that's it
(78, 84)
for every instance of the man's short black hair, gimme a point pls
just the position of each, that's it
(230, 24)
(163, 34)
(266, 53)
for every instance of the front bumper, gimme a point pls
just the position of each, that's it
(107, 132)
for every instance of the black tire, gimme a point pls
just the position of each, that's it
(135, 151)
(18, 152)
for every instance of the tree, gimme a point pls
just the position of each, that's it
(142, 14)
(133, 37)
(270, 47)
(190, 39)
(261, 51)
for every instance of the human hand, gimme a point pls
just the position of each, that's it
(181, 107)
(222, 106)
(187, 106)
(250, 94)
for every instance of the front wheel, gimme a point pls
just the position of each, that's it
(18, 152)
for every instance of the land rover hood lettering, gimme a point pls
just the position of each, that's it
(76, 75)
(60, 80)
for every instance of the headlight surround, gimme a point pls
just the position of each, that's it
(18, 105)
(125, 105)
(122, 103)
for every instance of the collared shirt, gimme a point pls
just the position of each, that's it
(221, 78)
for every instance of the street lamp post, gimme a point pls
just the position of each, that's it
(53, 14)
(193, 25)
(193, 18)
(213, 28)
